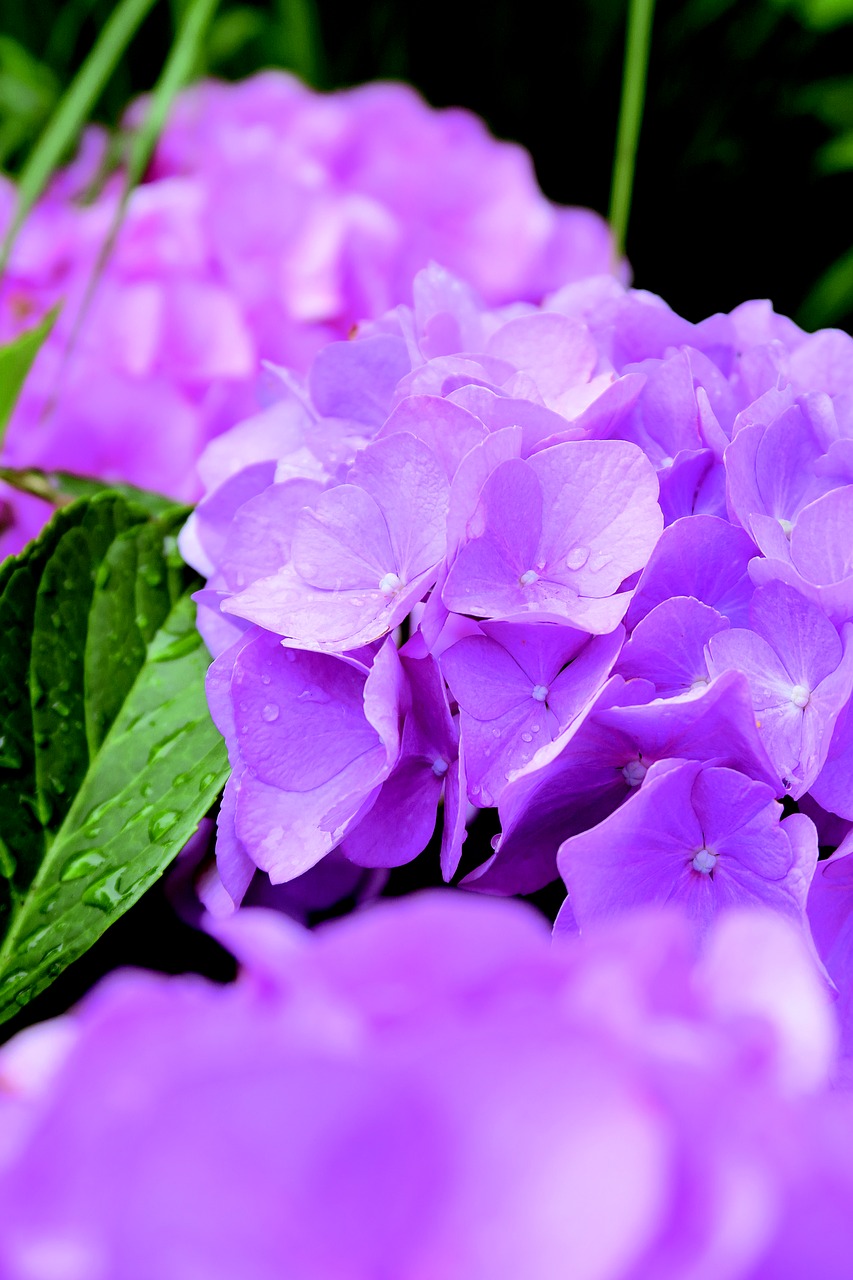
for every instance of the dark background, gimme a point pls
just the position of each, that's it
(745, 170)
(744, 179)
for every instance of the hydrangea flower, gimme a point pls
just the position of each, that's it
(577, 511)
(271, 220)
(428, 1088)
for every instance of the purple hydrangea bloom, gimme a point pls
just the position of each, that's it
(271, 220)
(429, 1089)
(644, 518)
(800, 675)
(705, 837)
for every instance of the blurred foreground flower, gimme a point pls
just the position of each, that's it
(428, 1089)
(271, 220)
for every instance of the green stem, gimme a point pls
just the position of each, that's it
(637, 42)
(73, 111)
(183, 56)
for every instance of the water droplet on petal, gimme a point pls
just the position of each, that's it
(528, 578)
(577, 557)
(599, 561)
(270, 712)
(527, 737)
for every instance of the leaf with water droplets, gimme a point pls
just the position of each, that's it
(108, 755)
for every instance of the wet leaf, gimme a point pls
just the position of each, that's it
(108, 756)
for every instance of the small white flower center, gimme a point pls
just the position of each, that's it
(390, 584)
(704, 861)
(528, 578)
(786, 525)
(540, 692)
(634, 772)
(800, 695)
(439, 766)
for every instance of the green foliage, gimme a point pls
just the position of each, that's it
(28, 94)
(108, 755)
(819, 15)
(16, 360)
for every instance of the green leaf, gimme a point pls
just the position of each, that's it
(60, 488)
(108, 755)
(73, 110)
(16, 360)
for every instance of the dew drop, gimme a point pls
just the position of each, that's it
(178, 648)
(265, 679)
(599, 561)
(577, 557)
(82, 864)
(534, 728)
(206, 781)
(31, 940)
(163, 822)
(270, 712)
(106, 893)
(13, 980)
(527, 737)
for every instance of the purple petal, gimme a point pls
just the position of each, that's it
(703, 557)
(667, 646)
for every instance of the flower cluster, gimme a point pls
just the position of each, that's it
(586, 563)
(271, 219)
(430, 1089)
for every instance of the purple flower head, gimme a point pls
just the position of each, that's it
(706, 837)
(429, 1089)
(817, 559)
(558, 536)
(800, 675)
(667, 646)
(399, 823)
(770, 471)
(700, 556)
(363, 556)
(518, 686)
(598, 762)
(311, 739)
